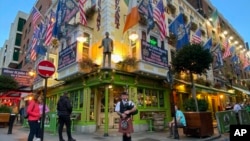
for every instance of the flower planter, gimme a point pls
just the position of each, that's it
(199, 124)
(4, 119)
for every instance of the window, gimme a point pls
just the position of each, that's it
(21, 23)
(92, 105)
(52, 101)
(153, 41)
(29, 28)
(86, 44)
(74, 99)
(18, 39)
(16, 54)
(150, 98)
(191, 18)
(181, 9)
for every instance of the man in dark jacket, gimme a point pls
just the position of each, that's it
(64, 110)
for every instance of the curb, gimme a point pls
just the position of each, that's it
(212, 138)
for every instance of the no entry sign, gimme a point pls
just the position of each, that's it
(46, 68)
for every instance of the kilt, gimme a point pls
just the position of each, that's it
(129, 129)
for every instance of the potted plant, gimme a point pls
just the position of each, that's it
(185, 18)
(189, 105)
(87, 65)
(188, 59)
(198, 123)
(172, 39)
(128, 64)
(143, 20)
(4, 115)
(193, 26)
(90, 12)
(203, 33)
(171, 8)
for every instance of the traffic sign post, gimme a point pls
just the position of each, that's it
(45, 69)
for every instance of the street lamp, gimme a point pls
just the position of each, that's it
(171, 81)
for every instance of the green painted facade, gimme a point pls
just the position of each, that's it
(149, 95)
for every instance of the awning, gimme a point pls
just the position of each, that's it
(207, 88)
(242, 90)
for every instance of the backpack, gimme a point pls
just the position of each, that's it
(25, 112)
(128, 107)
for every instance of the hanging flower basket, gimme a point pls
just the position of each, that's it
(203, 33)
(193, 26)
(87, 65)
(171, 8)
(55, 43)
(143, 20)
(90, 12)
(185, 18)
(172, 39)
(128, 64)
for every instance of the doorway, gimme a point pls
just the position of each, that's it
(114, 97)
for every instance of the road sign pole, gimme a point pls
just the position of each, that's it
(44, 106)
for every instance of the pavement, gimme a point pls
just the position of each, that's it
(20, 133)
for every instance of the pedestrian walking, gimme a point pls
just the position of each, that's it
(21, 113)
(33, 117)
(125, 109)
(64, 110)
(40, 101)
(13, 116)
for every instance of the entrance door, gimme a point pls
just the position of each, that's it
(114, 97)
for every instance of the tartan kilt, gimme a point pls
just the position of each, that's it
(130, 128)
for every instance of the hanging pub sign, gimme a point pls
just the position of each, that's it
(154, 54)
(67, 56)
(22, 77)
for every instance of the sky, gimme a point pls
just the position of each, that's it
(8, 12)
(237, 14)
(234, 12)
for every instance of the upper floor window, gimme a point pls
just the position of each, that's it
(181, 9)
(21, 23)
(18, 39)
(153, 41)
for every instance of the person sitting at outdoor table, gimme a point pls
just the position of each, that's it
(180, 121)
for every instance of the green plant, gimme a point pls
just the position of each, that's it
(90, 12)
(193, 59)
(172, 39)
(189, 105)
(87, 64)
(143, 20)
(8, 83)
(171, 7)
(127, 62)
(203, 33)
(5, 109)
(193, 26)
(185, 18)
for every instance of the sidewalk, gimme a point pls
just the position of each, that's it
(20, 134)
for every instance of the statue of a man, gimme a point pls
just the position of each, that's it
(107, 44)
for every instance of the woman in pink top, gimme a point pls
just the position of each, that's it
(40, 101)
(33, 117)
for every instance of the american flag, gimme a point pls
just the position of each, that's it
(160, 19)
(83, 19)
(35, 15)
(49, 29)
(196, 37)
(245, 63)
(227, 52)
(34, 43)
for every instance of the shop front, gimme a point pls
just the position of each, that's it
(94, 99)
(216, 98)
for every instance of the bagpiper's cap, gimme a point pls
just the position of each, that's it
(124, 93)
